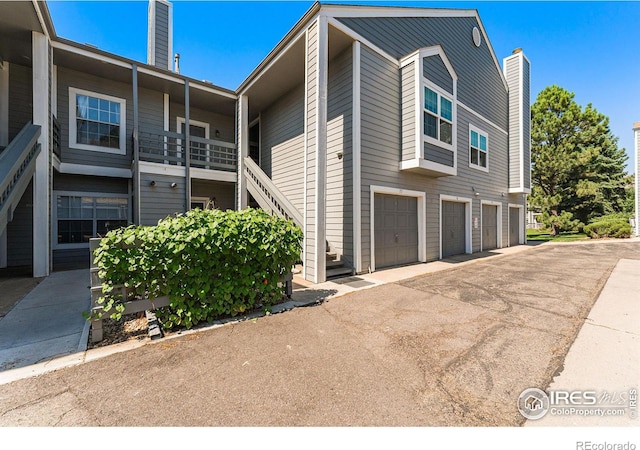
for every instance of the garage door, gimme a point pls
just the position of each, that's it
(453, 229)
(395, 229)
(514, 226)
(489, 227)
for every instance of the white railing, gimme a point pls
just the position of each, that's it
(267, 194)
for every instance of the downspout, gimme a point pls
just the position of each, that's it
(187, 150)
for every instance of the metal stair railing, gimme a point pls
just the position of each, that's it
(17, 165)
(268, 196)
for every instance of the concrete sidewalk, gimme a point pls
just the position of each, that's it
(605, 357)
(47, 323)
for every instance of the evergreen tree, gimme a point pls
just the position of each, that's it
(577, 168)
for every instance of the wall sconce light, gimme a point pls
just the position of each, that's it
(477, 194)
(502, 194)
(339, 154)
(152, 183)
(217, 133)
(174, 185)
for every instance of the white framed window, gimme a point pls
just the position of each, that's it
(97, 122)
(478, 149)
(437, 117)
(79, 216)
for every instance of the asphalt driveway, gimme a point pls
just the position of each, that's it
(454, 348)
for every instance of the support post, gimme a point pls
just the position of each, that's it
(41, 178)
(243, 148)
(187, 149)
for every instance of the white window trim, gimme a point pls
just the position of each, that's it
(204, 200)
(73, 130)
(54, 213)
(197, 123)
(498, 221)
(422, 220)
(486, 135)
(468, 248)
(441, 93)
(416, 58)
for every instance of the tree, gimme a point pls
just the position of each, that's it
(577, 169)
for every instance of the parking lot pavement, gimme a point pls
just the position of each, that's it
(452, 348)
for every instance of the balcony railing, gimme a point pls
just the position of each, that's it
(56, 138)
(167, 147)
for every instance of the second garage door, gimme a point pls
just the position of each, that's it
(453, 229)
(489, 227)
(395, 229)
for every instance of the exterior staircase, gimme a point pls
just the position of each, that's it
(17, 165)
(267, 195)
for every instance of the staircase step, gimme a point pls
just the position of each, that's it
(333, 263)
(332, 273)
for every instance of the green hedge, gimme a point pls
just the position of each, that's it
(210, 263)
(612, 227)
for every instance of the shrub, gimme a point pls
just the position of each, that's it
(210, 263)
(613, 228)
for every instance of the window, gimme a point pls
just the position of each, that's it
(438, 116)
(96, 122)
(478, 149)
(80, 217)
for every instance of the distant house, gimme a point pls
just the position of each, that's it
(390, 135)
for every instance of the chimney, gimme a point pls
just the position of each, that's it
(160, 36)
(516, 69)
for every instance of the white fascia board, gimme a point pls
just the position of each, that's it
(100, 171)
(162, 169)
(36, 6)
(213, 175)
(386, 11)
(89, 54)
(483, 118)
(422, 163)
(493, 53)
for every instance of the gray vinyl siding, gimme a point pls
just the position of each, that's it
(20, 231)
(150, 110)
(438, 154)
(339, 206)
(311, 133)
(380, 84)
(72, 258)
(526, 128)
(512, 74)
(433, 69)
(162, 36)
(71, 78)
(222, 193)
(20, 98)
(282, 145)
(86, 183)
(224, 124)
(161, 200)
(409, 105)
(480, 84)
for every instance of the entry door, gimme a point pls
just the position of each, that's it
(489, 227)
(395, 229)
(514, 226)
(453, 229)
(199, 151)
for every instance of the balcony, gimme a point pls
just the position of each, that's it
(167, 147)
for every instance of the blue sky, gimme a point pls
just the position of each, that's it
(585, 47)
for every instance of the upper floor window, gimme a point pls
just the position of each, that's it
(438, 116)
(96, 122)
(478, 149)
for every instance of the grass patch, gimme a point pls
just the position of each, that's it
(544, 236)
